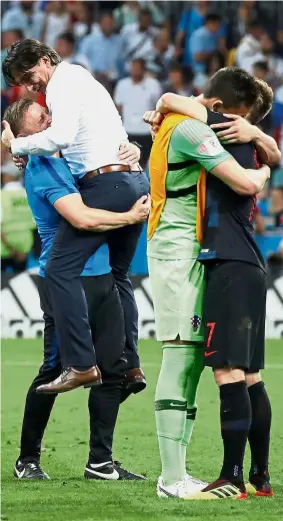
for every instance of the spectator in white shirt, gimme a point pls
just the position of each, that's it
(103, 50)
(56, 22)
(87, 128)
(66, 48)
(137, 39)
(24, 16)
(249, 50)
(132, 96)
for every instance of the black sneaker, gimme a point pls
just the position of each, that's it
(126, 474)
(109, 471)
(29, 470)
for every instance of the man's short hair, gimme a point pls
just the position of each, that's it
(233, 86)
(212, 17)
(67, 37)
(105, 14)
(145, 12)
(140, 61)
(15, 113)
(263, 103)
(254, 24)
(19, 32)
(23, 55)
(263, 65)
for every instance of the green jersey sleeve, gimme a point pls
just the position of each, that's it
(194, 140)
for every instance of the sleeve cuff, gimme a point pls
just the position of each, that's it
(19, 146)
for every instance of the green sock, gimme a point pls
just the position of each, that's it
(171, 410)
(195, 368)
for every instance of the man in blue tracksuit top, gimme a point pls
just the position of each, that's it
(49, 184)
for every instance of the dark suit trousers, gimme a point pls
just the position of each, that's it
(117, 192)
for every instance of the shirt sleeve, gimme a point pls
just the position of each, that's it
(64, 104)
(51, 178)
(195, 140)
(196, 43)
(184, 22)
(118, 94)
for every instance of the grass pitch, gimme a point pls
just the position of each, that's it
(68, 497)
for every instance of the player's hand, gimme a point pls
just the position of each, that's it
(20, 162)
(129, 153)
(266, 170)
(140, 211)
(7, 135)
(238, 130)
(153, 118)
(19, 256)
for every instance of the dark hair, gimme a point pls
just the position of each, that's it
(145, 12)
(254, 24)
(15, 112)
(68, 37)
(141, 61)
(23, 55)
(19, 32)
(233, 86)
(263, 65)
(105, 14)
(218, 55)
(186, 72)
(263, 103)
(212, 17)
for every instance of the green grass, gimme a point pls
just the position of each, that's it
(68, 497)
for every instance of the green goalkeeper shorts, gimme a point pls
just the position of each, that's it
(177, 292)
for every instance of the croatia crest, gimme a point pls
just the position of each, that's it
(196, 322)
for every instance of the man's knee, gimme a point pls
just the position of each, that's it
(228, 375)
(253, 378)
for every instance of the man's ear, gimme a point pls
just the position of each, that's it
(45, 59)
(217, 106)
(21, 134)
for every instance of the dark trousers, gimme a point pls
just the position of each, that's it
(117, 192)
(107, 325)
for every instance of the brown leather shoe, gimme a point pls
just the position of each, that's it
(135, 380)
(70, 379)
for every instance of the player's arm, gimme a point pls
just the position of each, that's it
(239, 130)
(170, 102)
(52, 181)
(73, 209)
(65, 107)
(197, 141)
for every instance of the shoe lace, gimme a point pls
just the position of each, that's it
(36, 468)
(196, 481)
(123, 472)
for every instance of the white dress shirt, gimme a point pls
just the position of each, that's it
(86, 125)
(248, 53)
(135, 99)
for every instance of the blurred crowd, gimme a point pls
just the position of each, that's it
(139, 50)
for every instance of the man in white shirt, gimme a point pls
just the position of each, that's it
(132, 96)
(88, 130)
(249, 50)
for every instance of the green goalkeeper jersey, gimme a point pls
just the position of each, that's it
(175, 235)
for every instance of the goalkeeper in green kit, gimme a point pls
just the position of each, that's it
(183, 150)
